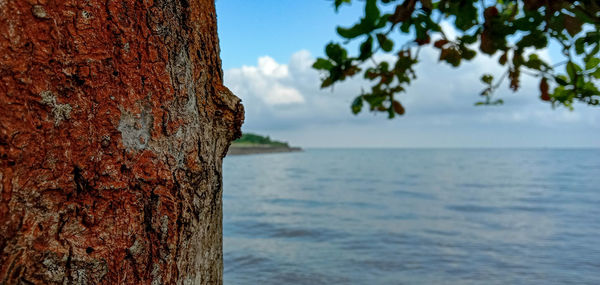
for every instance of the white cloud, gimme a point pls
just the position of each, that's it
(285, 100)
(265, 82)
(269, 67)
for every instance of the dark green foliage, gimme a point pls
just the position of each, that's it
(249, 138)
(514, 29)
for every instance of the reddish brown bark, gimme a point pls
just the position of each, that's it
(113, 125)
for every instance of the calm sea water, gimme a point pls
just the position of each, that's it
(397, 216)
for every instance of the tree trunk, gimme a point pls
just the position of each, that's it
(113, 125)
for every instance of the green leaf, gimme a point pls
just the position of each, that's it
(391, 113)
(595, 50)
(466, 15)
(322, 64)
(338, 3)
(382, 22)
(572, 69)
(592, 62)
(366, 49)
(371, 12)
(561, 80)
(534, 62)
(468, 54)
(336, 52)
(579, 45)
(405, 27)
(357, 105)
(385, 43)
(470, 39)
(384, 66)
(535, 39)
(487, 79)
(354, 31)
(596, 73)
(374, 100)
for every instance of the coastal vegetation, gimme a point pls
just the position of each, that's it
(251, 139)
(250, 143)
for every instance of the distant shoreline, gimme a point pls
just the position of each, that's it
(241, 149)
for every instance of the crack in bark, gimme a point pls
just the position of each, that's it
(61, 223)
(68, 268)
(80, 183)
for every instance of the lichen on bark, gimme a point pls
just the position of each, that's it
(113, 124)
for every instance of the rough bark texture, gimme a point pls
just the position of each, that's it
(113, 125)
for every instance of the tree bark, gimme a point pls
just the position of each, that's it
(113, 125)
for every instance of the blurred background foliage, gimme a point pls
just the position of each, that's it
(516, 31)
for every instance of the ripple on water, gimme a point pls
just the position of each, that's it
(245, 260)
(474, 209)
(251, 229)
(414, 194)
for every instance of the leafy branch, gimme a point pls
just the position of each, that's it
(517, 30)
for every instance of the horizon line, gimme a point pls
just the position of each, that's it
(455, 147)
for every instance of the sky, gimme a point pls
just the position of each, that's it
(268, 47)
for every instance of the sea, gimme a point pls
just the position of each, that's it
(412, 216)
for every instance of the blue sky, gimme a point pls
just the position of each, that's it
(267, 48)
(249, 29)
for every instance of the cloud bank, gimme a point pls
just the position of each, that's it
(284, 100)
